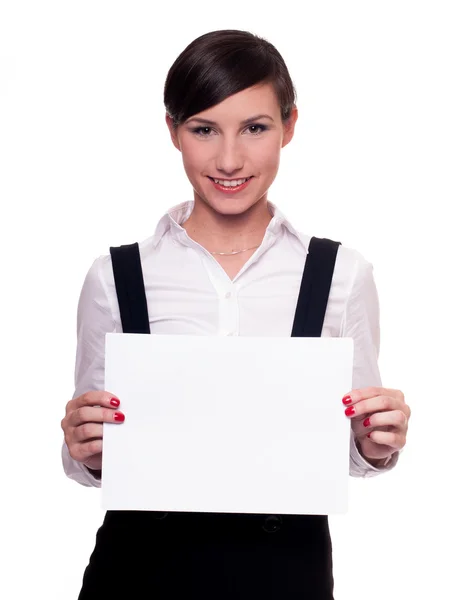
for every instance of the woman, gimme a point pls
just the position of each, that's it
(226, 263)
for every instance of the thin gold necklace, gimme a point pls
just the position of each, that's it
(235, 252)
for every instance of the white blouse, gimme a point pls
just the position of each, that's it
(188, 292)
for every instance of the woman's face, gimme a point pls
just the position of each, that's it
(225, 142)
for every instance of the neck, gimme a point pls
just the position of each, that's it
(224, 233)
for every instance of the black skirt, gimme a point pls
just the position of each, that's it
(143, 554)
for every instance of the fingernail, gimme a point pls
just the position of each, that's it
(347, 399)
(350, 411)
(369, 434)
(114, 402)
(119, 417)
(367, 422)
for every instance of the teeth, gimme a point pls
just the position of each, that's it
(227, 183)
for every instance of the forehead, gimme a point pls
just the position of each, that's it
(254, 100)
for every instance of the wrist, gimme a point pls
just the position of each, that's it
(378, 463)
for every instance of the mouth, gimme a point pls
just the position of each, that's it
(231, 185)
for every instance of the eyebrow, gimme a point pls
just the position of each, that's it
(244, 122)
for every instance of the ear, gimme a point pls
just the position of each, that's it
(288, 127)
(173, 132)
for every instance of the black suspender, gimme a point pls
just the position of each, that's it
(130, 288)
(315, 286)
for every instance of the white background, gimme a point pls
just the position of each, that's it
(86, 162)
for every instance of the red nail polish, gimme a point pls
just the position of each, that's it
(369, 434)
(347, 399)
(114, 402)
(350, 411)
(367, 422)
(119, 417)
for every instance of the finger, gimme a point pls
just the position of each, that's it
(89, 414)
(374, 450)
(87, 431)
(82, 452)
(365, 408)
(360, 394)
(93, 398)
(388, 438)
(396, 419)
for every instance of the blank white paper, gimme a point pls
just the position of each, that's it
(227, 424)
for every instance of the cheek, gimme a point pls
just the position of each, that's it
(194, 158)
(265, 152)
(268, 157)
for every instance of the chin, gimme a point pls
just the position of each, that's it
(230, 206)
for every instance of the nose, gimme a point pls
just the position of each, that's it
(229, 159)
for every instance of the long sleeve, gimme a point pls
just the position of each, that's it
(94, 320)
(361, 321)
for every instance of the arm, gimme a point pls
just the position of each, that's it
(361, 321)
(94, 320)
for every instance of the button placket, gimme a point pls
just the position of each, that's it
(228, 312)
(226, 294)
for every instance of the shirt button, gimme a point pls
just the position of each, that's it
(228, 295)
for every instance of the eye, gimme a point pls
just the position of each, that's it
(261, 128)
(198, 131)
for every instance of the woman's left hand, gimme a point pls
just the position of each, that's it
(380, 420)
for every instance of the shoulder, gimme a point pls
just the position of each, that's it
(352, 280)
(349, 261)
(103, 264)
(352, 264)
(99, 285)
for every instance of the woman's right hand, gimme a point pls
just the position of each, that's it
(83, 425)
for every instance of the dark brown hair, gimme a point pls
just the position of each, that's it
(221, 63)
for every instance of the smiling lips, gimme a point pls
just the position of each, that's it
(230, 185)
